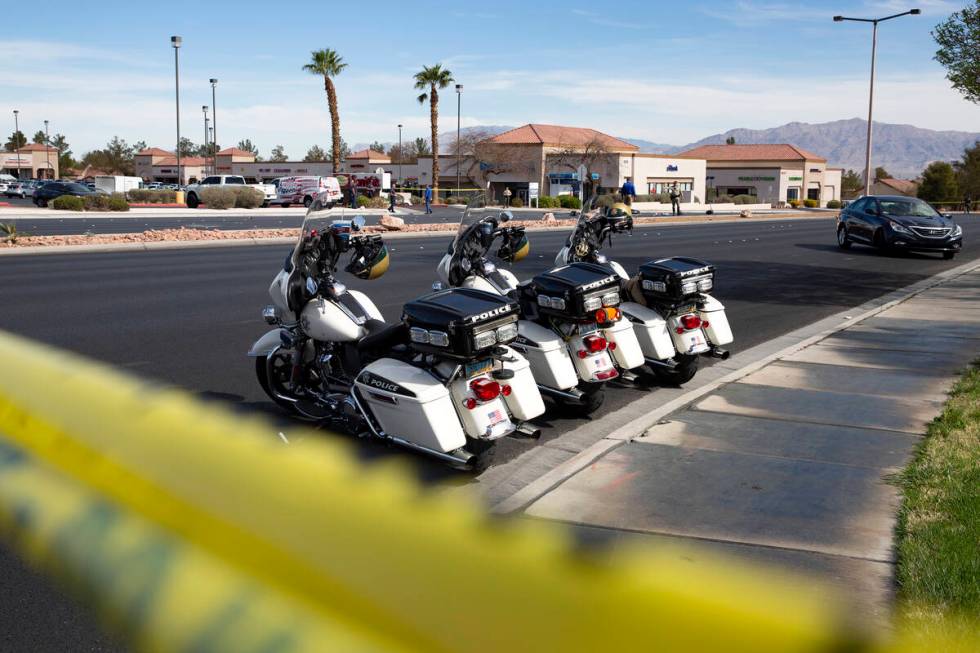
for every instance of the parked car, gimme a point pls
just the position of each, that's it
(898, 222)
(19, 189)
(51, 190)
(304, 190)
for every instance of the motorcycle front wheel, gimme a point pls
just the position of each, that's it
(687, 367)
(278, 387)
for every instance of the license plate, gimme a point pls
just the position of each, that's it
(697, 342)
(478, 367)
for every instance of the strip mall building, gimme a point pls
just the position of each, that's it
(536, 160)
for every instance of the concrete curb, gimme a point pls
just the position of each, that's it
(754, 358)
(240, 242)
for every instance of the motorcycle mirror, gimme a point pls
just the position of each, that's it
(311, 286)
(505, 216)
(437, 285)
(358, 222)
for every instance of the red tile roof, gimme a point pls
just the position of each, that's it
(904, 186)
(184, 161)
(752, 152)
(234, 151)
(154, 151)
(370, 155)
(560, 136)
(36, 147)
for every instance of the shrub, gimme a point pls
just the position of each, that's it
(365, 202)
(96, 202)
(721, 199)
(811, 204)
(569, 202)
(117, 202)
(517, 203)
(8, 231)
(833, 204)
(247, 198)
(745, 199)
(152, 196)
(794, 203)
(68, 203)
(138, 195)
(218, 198)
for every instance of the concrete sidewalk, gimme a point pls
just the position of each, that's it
(789, 464)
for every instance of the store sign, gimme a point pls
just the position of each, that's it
(671, 167)
(758, 178)
(532, 191)
(796, 178)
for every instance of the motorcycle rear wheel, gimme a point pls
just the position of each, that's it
(593, 396)
(687, 367)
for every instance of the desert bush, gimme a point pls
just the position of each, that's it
(68, 203)
(152, 196)
(365, 202)
(138, 195)
(721, 199)
(247, 198)
(517, 203)
(218, 198)
(811, 204)
(833, 204)
(794, 203)
(8, 231)
(117, 202)
(96, 202)
(569, 202)
(745, 199)
(548, 202)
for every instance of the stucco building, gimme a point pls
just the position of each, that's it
(907, 187)
(773, 173)
(31, 161)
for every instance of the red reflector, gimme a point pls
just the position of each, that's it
(485, 389)
(505, 390)
(691, 321)
(582, 353)
(608, 374)
(705, 324)
(470, 403)
(612, 346)
(594, 344)
(679, 329)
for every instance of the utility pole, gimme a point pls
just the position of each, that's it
(17, 142)
(459, 103)
(47, 152)
(214, 127)
(175, 41)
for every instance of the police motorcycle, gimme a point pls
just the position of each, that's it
(441, 380)
(673, 317)
(570, 328)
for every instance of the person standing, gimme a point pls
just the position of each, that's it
(352, 192)
(628, 191)
(507, 195)
(675, 200)
(391, 197)
(967, 203)
(428, 199)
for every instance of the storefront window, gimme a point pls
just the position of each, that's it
(793, 193)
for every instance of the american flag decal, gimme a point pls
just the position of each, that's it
(496, 416)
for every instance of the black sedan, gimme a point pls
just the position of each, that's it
(898, 222)
(52, 189)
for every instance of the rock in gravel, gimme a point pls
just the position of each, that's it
(549, 218)
(392, 223)
(746, 214)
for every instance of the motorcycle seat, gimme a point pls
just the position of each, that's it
(382, 336)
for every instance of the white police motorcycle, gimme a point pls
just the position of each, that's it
(673, 317)
(570, 330)
(441, 380)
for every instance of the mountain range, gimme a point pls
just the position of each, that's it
(903, 150)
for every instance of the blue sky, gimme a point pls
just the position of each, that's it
(669, 72)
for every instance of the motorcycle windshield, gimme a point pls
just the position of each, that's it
(341, 220)
(581, 242)
(478, 212)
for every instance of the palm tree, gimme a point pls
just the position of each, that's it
(433, 78)
(329, 64)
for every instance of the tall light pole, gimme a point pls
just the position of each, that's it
(214, 127)
(17, 142)
(400, 154)
(204, 109)
(871, 89)
(175, 41)
(459, 104)
(47, 153)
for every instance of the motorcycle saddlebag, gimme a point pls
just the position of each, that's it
(675, 279)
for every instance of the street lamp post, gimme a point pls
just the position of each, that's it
(47, 152)
(204, 110)
(17, 141)
(175, 41)
(459, 102)
(214, 127)
(871, 88)
(400, 155)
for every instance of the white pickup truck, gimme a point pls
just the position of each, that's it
(193, 191)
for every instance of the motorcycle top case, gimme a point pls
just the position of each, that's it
(572, 285)
(675, 279)
(457, 323)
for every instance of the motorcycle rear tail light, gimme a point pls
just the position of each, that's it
(594, 344)
(505, 390)
(691, 322)
(485, 389)
(607, 315)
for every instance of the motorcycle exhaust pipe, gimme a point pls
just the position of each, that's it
(668, 364)
(572, 395)
(718, 352)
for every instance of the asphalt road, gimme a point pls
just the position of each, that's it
(268, 218)
(187, 317)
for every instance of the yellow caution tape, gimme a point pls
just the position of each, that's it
(356, 557)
